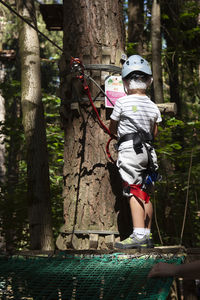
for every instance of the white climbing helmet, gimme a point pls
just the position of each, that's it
(135, 63)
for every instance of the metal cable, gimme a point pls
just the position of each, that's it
(90, 78)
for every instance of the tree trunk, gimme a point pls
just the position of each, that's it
(173, 40)
(156, 52)
(41, 236)
(2, 102)
(2, 144)
(93, 31)
(198, 24)
(2, 136)
(136, 25)
(2, 165)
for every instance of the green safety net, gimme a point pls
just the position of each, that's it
(77, 277)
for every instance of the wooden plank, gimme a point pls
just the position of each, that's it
(101, 232)
(109, 241)
(7, 54)
(168, 108)
(93, 241)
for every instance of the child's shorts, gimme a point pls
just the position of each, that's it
(132, 166)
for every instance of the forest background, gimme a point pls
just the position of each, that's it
(176, 198)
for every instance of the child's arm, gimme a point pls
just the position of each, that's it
(155, 130)
(113, 126)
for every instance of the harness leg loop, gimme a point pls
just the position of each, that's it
(135, 190)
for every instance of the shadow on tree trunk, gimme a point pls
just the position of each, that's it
(124, 221)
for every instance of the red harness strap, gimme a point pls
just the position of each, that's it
(135, 190)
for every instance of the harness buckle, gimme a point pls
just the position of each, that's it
(150, 179)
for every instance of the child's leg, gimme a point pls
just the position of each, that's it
(148, 219)
(139, 238)
(141, 213)
(138, 217)
(148, 207)
(137, 212)
(141, 216)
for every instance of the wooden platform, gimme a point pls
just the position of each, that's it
(164, 250)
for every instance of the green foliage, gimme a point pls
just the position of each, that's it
(131, 48)
(13, 201)
(13, 207)
(178, 144)
(55, 142)
(13, 204)
(10, 26)
(13, 195)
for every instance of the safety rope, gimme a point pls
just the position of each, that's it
(187, 197)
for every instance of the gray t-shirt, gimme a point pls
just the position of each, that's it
(141, 110)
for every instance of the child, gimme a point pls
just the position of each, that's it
(134, 119)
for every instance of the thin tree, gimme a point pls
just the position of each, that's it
(198, 24)
(171, 31)
(2, 101)
(41, 236)
(2, 135)
(136, 25)
(2, 158)
(156, 51)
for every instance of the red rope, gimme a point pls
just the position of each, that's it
(107, 148)
(77, 64)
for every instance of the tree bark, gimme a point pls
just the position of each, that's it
(198, 24)
(2, 103)
(156, 52)
(41, 236)
(136, 25)
(2, 165)
(2, 136)
(93, 31)
(2, 144)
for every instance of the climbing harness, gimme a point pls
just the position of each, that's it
(141, 138)
(77, 66)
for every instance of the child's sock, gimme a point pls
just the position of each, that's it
(139, 232)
